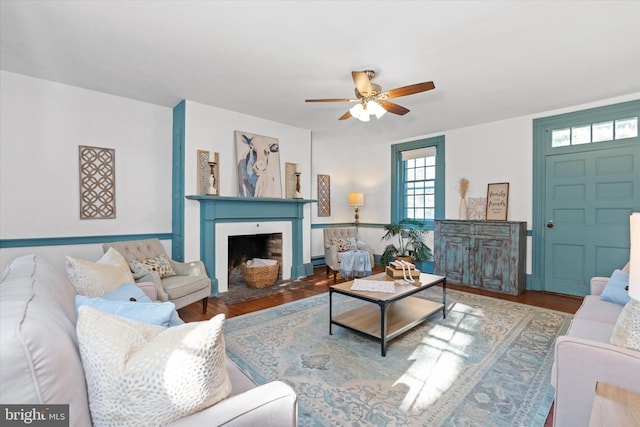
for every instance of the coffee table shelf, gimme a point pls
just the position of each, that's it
(385, 316)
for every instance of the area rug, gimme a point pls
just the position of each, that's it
(487, 364)
(241, 292)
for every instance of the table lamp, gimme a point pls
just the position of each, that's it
(355, 200)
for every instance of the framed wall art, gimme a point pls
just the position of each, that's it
(497, 201)
(258, 165)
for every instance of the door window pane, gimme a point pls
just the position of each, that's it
(602, 131)
(581, 135)
(627, 128)
(561, 137)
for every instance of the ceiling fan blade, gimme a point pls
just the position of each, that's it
(394, 108)
(409, 90)
(330, 100)
(345, 116)
(363, 84)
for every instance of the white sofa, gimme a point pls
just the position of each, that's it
(585, 355)
(40, 362)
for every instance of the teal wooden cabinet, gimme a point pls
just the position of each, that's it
(488, 255)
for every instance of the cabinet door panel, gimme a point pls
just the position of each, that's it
(456, 258)
(491, 264)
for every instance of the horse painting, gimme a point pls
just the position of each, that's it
(258, 166)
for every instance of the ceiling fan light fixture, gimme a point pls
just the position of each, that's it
(358, 111)
(376, 109)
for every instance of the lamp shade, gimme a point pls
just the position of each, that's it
(356, 199)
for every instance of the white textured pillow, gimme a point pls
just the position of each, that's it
(94, 279)
(626, 332)
(141, 374)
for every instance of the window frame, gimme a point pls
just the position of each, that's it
(397, 178)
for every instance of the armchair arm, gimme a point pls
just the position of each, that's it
(579, 364)
(152, 276)
(274, 404)
(195, 268)
(331, 257)
(149, 289)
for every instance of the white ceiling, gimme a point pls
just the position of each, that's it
(490, 60)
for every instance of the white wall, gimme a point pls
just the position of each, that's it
(212, 129)
(41, 126)
(492, 152)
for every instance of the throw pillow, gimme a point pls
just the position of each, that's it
(343, 245)
(126, 292)
(161, 313)
(160, 264)
(94, 279)
(140, 374)
(616, 289)
(626, 332)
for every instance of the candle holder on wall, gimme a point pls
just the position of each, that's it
(208, 173)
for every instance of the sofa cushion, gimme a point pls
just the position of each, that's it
(626, 332)
(40, 363)
(591, 330)
(179, 286)
(616, 289)
(593, 308)
(160, 264)
(147, 374)
(94, 279)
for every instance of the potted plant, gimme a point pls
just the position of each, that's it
(409, 233)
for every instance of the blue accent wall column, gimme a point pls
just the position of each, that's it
(177, 182)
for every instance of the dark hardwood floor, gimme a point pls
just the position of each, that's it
(319, 283)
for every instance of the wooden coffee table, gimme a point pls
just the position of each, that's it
(387, 315)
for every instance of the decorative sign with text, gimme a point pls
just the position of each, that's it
(497, 201)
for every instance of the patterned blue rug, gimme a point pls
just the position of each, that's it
(487, 364)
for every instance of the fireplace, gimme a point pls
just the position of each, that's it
(246, 247)
(222, 217)
(225, 231)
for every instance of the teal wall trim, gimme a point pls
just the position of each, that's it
(346, 224)
(222, 209)
(177, 182)
(397, 202)
(77, 240)
(541, 127)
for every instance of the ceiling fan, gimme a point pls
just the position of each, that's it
(371, 100)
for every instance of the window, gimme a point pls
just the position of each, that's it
(417, 190)
(595, 132)
(419, 168)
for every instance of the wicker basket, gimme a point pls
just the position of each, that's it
(260, 277)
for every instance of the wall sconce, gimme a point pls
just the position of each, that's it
(355, 200)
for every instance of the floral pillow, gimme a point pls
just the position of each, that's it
(343, 245)
(160, 264)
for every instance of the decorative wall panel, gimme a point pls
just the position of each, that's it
(290, 179)
(203, 172)
(97, 182)
(324, 195)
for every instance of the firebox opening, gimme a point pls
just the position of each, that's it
(245, 247)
